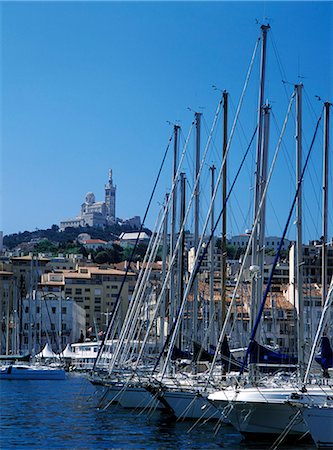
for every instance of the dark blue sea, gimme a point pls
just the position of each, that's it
(63, 415)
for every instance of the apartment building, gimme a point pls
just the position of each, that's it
(94, 288)
(48, 318)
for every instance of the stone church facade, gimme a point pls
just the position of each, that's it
(95, 214)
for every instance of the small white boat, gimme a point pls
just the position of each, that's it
(31, 372)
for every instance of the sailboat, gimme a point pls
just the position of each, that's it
(261, 410)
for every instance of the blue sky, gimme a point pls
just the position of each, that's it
(88, 86)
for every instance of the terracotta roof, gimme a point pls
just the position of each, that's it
(94, 241)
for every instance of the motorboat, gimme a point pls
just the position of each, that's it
(31, 372)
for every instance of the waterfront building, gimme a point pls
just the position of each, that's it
(95, 289)
(49, 318)
(8, 307)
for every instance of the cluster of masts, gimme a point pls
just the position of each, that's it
(192, 367)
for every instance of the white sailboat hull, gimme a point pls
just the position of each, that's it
(128, 396)
(190, 405)
(266, 411)
(138, 397)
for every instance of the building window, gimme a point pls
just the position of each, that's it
(78, 291)
(98, 291)
(26, 326)
(54, 309)
(52, 326)
(87, 290)
(98, 300)
(26, 309)
(63, 326)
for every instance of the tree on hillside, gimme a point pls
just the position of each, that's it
(45, 246)
(102, 257)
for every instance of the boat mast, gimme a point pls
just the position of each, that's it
(325, 201)
(30, 306)
(164, 270)
(299, 244)
(224, 206)
(212, 267)
(181, 246)
(172, 302)
(196, 224)
(256, 287)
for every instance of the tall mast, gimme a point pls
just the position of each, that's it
(164, 270)
(263, 179)
(299, 239)
(212, 266)
(255, 291)
(224, 216)
(30, 306)
(325, 200)
(182, 244)
(173, 225)
(196, 224)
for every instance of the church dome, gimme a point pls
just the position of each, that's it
(90, 198)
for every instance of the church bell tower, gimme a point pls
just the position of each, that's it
(110, 200)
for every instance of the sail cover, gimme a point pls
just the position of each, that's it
(263, 355)
(325, 359)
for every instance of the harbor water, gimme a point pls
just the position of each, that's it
(64, 415)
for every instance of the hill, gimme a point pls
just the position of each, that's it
(56, 236)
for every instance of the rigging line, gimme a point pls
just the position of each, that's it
(134, 249)
(239, 207)
(214, 137)
(299, 184)
(280, 65)
(310, 106)
(285, 152)
(274, 212)
(198, 264)
(239, 137)
(249, 244)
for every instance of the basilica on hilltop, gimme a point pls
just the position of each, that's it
(95, 214)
